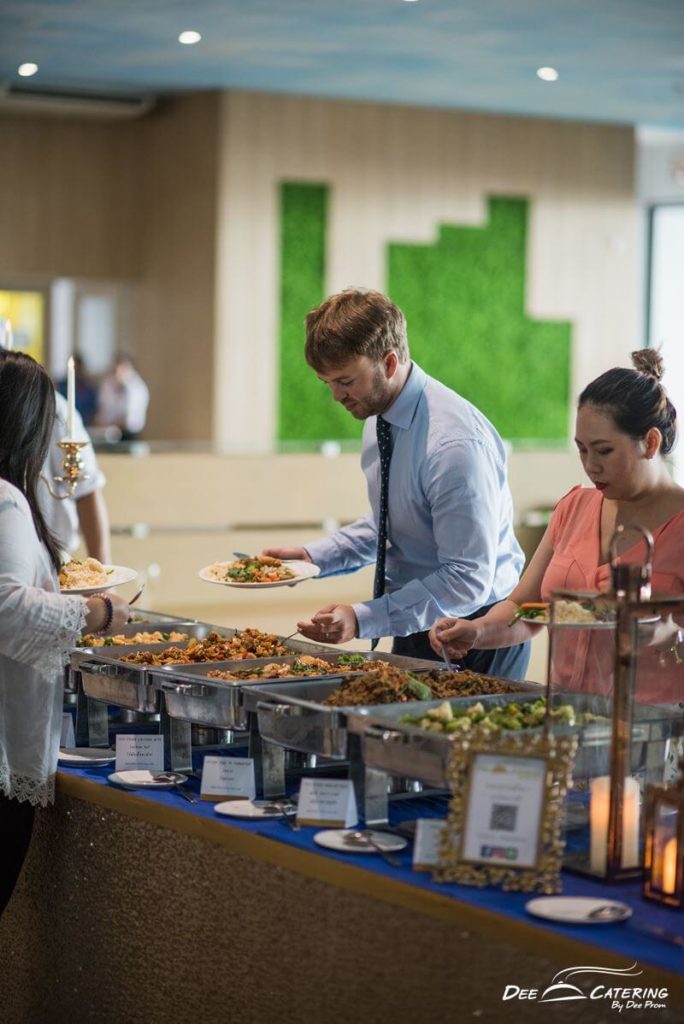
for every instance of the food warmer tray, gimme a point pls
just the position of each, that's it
(151, 625)
(292, 715)
(407, 751)
(192, 695)
(107, 678)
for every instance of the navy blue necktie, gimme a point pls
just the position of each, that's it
(384, 431)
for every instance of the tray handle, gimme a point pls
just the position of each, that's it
(96, 668)
(191, 689)
(275, 709)
(385, 735)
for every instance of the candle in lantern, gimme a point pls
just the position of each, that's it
(670, 866)
(9, 338)
(599, 810)
(598, 823)
(71, 398)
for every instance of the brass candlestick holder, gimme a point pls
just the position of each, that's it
(72, 465)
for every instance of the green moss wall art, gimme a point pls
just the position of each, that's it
(463, 297)
(306, 409)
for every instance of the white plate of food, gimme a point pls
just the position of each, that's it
(84, 757)
(569, 614)
(579, 909)
(259, 572)
(139, 778)
(91, 576)
(348, 840)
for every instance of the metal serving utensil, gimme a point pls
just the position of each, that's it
(178, 786)
(366, 838)
(289, 813)
(607, 912)
(136, 596)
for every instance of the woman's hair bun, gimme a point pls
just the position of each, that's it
(649, 362)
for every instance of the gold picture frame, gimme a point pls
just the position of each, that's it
(543, 874)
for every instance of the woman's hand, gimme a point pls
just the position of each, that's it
(98, 612)
(457, 636)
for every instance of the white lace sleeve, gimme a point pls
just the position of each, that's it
(37, 627)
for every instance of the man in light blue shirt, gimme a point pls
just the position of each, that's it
(451, 550)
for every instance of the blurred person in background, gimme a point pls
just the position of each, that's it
(123, 399)
(38, 624)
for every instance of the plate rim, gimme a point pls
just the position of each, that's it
(580, 920)
(256, 817)
(144, 785)
(360, 849)
(103, 757)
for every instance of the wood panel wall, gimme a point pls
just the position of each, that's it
(132, 202)
(395, 174)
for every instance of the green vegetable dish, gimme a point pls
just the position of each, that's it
(450, 718)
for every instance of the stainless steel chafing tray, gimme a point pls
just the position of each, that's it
(108, 678)
(192, 695)
(396, 748)
(292, 714)
(189, 626)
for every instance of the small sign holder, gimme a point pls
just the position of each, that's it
(503, 826)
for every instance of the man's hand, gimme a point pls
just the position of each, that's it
(296, 554)
(458, 636)
(334, 624)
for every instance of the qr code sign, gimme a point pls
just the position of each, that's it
(503, 817)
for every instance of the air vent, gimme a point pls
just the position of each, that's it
(67, 103)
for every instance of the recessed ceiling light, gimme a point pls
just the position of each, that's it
(547, 74)
(189, 38)
(26, 70)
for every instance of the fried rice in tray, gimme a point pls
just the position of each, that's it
(390, 685)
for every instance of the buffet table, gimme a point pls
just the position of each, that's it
(138, 906)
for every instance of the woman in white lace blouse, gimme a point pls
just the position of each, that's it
(38, 625)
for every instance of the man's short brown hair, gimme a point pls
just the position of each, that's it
(353, 323)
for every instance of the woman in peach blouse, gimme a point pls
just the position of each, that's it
(625, 427)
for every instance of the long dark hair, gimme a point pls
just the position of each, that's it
(27, 416)
(635, 398)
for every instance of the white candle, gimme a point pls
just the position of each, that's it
(71, 398)
(9, 338)
(598, 823)
(599, 809)
(670, 866)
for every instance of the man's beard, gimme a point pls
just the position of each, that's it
(377, 399)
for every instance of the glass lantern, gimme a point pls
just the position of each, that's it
(664, 849)
(615, 666)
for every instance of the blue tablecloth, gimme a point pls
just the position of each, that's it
(624, 939)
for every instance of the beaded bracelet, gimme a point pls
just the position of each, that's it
(109, 608)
